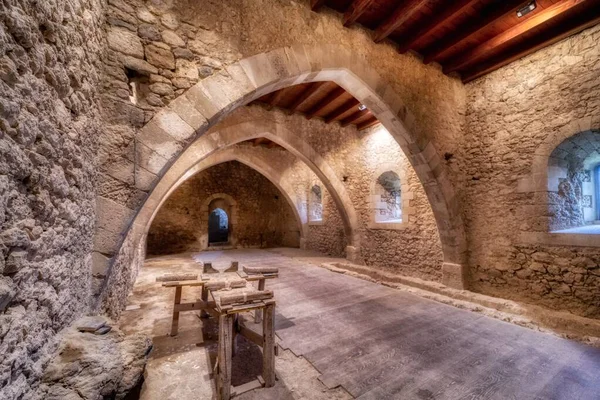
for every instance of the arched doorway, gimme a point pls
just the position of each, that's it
(218, 228)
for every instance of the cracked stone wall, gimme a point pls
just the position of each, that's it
(49, 124)
(510, 114)
(264, 217)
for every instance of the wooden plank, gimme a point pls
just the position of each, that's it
(452, 10)
(183, 283)
(486, 68)
(224, 350)
(279, 95)
(401, 14)
(356, 9)
(505, 7)
(511, 34)
(175, 318)
(252, 336)
(306, 94)
(354, 117)
(315, 5)
(197, 305)
(332, 96)
(258, 311)
(341, 110)
(367, 124)
(176, 277)
(269, 346)
(246, 387)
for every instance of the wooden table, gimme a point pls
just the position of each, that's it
(225, 296)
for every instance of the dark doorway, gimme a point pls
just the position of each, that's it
(218, 227)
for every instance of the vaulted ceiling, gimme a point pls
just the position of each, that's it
(471, 37)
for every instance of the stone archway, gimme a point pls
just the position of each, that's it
(232, 213)
(256, 163)
(163, 139)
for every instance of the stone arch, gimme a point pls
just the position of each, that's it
(233, 216)
(256, 163)
(162, 140)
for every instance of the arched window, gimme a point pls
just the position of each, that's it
(388, 198)
(315, 204)
(573, 184)
(218, 227)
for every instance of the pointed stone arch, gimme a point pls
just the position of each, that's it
(159, 143)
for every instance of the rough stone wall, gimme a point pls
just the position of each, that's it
(510, 113)
(49, 124)
(264, 218)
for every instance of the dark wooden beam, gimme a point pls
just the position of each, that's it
(354, 117)
(400, 15)
(341, 110)
(368, 123)
(306, 94)
(469, 29)
(511, 34)
(315, 5)
(546, 40)
(332, 96)
(258, 141)
(356, 9)
(454, 9)
(277, 98)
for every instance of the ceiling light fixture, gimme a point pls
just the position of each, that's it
(362, 107)
(526, 10)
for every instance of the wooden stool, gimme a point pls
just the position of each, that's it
(228, 304)
(267, 273)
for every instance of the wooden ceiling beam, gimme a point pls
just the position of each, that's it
(486, 68)
(258, 141)
(468, 30)
(367, 124)
(332, 96)
(401, 14)
(508, 35)
(305, 95)
(315, 5)
(456, 8)
(356, 9)
(354, 117)
(341, 110)
(279, 95)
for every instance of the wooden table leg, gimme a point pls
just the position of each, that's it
(204, 297)
(175, 320)
(269, 345)
(224, 356)
(258, 311)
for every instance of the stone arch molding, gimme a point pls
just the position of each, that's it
(222, 156)
(165, 136)
(233, 217)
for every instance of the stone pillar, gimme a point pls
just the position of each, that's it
(303, 243)
(454, 275)
(353, 255)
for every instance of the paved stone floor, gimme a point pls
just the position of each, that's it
(345, 337)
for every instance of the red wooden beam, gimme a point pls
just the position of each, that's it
(400, 15)
(356, 9)
(341, 110)
(513, 33)
(488, 67)
(277, 98)
(332, 96)
(456, 8)
(308, 92)
(354, 117)
(316, 4)
(468, 30)
(368, 123)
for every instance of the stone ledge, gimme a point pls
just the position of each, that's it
(559, 323)
(560, 239)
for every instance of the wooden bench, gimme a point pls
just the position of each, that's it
(267, 273)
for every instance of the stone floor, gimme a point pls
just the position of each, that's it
(345, 337)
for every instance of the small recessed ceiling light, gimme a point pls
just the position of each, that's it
(526, 9)
(362, 107)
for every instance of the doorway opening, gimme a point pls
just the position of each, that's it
(218, 228)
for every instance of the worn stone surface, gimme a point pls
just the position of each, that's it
(264, 218)
(90, 366)
(510, 114)
(49, 126)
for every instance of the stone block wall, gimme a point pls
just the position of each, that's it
(264, 218)
(50, 68)
(511, 114)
